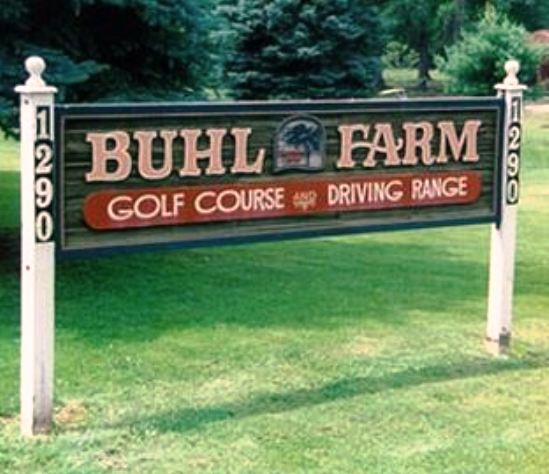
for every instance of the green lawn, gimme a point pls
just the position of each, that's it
(341, 355)
(407, 80)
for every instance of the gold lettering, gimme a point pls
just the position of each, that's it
(213, 153)
(347, 145)
(448, 136)
(413, 143)
(241, 153)
(384, 133)
(117, 154)
(145, 161)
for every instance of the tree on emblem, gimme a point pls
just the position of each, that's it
(300, 143)
(303, 135)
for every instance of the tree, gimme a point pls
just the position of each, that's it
(106, 49)
(532, 14)
(430, 25)
(308, 49)
(476, 62)
(416, 24)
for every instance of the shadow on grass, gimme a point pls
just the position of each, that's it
(279, 402)
(9, 223)
(304, 284)
(9, 251)
(9, 199)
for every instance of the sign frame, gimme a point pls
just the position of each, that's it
(284, 109)
(38, 256)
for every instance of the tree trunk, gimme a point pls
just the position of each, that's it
(459, 19)
(424, 62)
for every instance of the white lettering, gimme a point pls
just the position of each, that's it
(434, 188)
(350, 194)
(230, 201)
(145, 207)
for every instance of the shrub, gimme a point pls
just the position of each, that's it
(399, 55)
(476, 62)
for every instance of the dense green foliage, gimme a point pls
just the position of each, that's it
(399, 55)
(107, 49)
(312, 49)
(120, 50)
(430, 26)
(475, 64)
(533, 14)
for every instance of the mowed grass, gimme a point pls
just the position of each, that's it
(9, 184)
(407, 79)
(341, 355)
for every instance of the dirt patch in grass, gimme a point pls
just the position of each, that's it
(73, 413)
(6, 420)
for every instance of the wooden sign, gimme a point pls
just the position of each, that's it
(195, 174)
(141, 176)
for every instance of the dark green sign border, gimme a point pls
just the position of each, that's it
(484, 104)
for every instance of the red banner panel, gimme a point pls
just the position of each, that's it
(150, 207)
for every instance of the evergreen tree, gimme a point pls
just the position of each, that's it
(106, 49)
(304, 48)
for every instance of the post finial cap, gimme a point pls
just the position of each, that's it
(35, 66)
(512, 67)
(35, 84)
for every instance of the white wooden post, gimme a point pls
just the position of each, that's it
(503, 238)
(37, 250)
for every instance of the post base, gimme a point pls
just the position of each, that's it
(498, 347)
